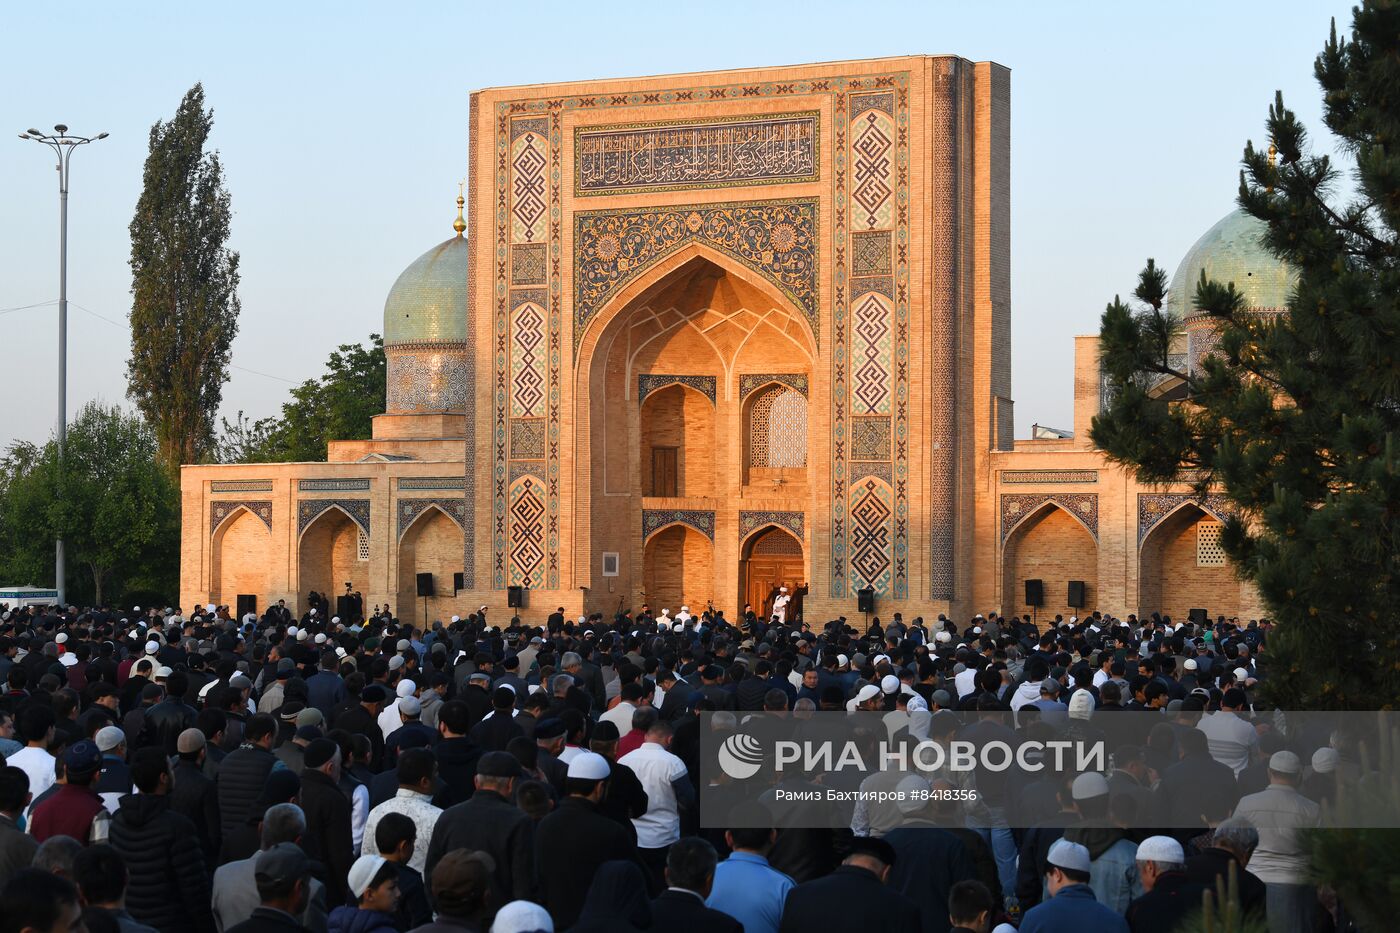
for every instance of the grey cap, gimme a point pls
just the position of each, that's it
(410, 706)
(1051, 686)
(282, 863)
(943, 698)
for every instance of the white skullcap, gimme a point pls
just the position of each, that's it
(943, 637)
(363, 872)
(456, 618)
(1241, 674)
(1160, 849)
(209, 608)
(589, 766)
(163, 672)
(842, 660)
(1089, 785)
(522, 917)
(889, 683)
(302, 635)
(1324, 760)
(685, 609)
(292, 631)
(152, 647)
(913, 794)
(1191, 664)
(62, 638)
(335, 620)
(340, 652)
(407, 687)
(396, 662)
(320, 638)
(866, 694)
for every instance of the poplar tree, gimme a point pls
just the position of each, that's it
(184, 285)
(1294, 417)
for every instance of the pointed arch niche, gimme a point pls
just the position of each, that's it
(1052, 545)
(659, 418)
(329, 556)
(432, 543)
(1180, 566)
(239, 553)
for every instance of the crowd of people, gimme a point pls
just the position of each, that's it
(197, 772)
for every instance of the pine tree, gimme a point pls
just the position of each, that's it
(184, 284)
(1294, 418)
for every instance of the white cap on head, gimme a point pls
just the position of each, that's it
(866, 694)
(1071, 855)
(363, 872)
(1081, 705)
(1324, 760)
(208, 608)
(302, 635)
(589, 766)
(913, 794)
(1088, 786)
(320, 638)
(292, 631)
(62, 638)
(889, 684)
(1191, 664)
(782, 589)
(335, 620)
(1161, 849)
(407, 688)
(152, 647)
(685, 609)
(162, 672)
(456, 618)
(1285, 762)
(1241, 674)
(842, 660)
(341, 653)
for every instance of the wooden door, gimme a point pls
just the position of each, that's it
(767, 573)
(663, 471)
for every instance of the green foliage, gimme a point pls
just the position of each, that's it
(114, 504)
(340, 405)
(1221, 911)
(1295, 417)
(184, 284)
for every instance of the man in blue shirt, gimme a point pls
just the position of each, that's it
(1072, 907)
(746, 887)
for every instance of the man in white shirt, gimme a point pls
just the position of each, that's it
(667, 783)
(390, 720)
(1232, 741)
(632, 696)
(417, 771)
(36, 725)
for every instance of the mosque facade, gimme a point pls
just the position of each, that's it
(706, 335)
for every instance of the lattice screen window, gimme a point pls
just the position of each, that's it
(362, 546)
(1209, 553)
(778, 429)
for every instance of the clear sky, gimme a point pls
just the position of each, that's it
(343, 133)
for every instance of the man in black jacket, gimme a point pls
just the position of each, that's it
(853, 897)
(168, 887)
(328, 834)
(576, 838)
(171, 716)
(242, 775)
(690, 872)
(490, 823)
(283, 879)
(195, 795)
(364, 720)
(456, 754)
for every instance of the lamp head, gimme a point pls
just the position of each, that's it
(60, 128)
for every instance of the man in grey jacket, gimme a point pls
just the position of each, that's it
(236, 890)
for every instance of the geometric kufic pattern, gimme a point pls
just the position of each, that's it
(348, 484)
(308, 510)
(1153, 507)
(870, 253)
(748, 382)
(752, 520)
(528, 264)
(701, 520)
(527, 438)
(870, 328)
(432, 482)
(871, 513)
(870, 438)
(675, 155)
(647, 383)
(872, 138)
(528, 203)
(776, 239)
(409, 510)
(1082, 505)
(526, 534)
(527, 361)
(220, 510)
(949, 137)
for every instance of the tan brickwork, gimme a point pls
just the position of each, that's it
(710, 311)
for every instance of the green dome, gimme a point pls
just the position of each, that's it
(428, 303)
(1230, 251)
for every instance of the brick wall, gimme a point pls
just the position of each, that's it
(433, 544)
(685, 419)
(330, 559)
(240, 560)
(1054, 548)
(680, 570)
(1173, 584)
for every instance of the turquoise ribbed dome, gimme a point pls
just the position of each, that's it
(1230, 251)
(428, 303)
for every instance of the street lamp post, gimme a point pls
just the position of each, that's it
(63, 144)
